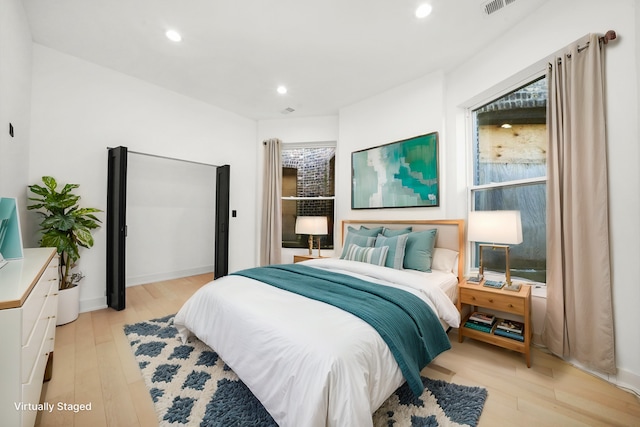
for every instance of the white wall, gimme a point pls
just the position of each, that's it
(409, 110)
(79, 109)
(15, 101)
(294, 130)
(171, 210)
(552, 27)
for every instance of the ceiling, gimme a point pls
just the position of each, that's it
(328, 53)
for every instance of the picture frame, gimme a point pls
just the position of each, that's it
(400, 174)
(10, 233)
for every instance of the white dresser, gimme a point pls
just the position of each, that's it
(28, 307)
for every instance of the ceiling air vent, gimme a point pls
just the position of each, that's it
(287, 110)
(493, 6)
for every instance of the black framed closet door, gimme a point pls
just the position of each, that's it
(221, 245)
(116, 227)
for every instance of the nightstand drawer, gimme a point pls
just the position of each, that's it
(495, 301)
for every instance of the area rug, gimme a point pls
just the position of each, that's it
(191, 386)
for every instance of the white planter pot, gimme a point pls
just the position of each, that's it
(68, 305)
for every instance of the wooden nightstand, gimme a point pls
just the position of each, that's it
(298, 258)
(518, 303)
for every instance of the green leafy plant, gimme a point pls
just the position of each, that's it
(65, 225)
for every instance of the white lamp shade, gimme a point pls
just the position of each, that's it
(503, 227)
(314, 225)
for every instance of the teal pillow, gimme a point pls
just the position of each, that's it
(375, 256)
(354, 238)
(396, 245)
(364, 231)
(387, 232)
(418, 253)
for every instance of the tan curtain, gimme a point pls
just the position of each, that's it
(271, 238)
(579, 318)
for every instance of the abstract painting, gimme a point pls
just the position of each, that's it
(397, 175)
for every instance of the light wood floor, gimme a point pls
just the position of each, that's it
(93, 363)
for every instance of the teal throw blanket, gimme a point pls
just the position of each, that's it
(406, 324)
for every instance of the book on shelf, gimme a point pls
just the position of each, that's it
(510, 325)
(478, 326)
(485, 318)
(508, 334)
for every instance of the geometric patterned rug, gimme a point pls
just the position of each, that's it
(191, 386)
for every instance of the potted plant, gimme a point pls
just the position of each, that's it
(67, 227)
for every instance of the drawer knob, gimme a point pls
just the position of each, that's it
(473, 298)
(490, 299)
(511, 305)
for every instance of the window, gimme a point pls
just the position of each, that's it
(509, 173)
(308, 189)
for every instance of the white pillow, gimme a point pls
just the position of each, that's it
(445, 260)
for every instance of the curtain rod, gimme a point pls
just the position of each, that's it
(610, 35)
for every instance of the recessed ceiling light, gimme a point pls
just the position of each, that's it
(423, 10)
(173, 35)
(282, 90)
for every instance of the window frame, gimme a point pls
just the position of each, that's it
(528, 77)
(311, 145)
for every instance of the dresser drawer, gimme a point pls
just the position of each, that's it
(42, 332)
(32, 388)
(49, 312)
(495, 301)
(32, 307)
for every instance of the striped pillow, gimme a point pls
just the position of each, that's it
(396, 245)
(375, 256)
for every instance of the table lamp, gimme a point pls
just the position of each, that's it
(502, 228)
(313, 226)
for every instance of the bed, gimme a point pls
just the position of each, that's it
(311, 363)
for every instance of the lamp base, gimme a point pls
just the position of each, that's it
(515, 287)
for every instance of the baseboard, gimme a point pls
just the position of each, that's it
(170, 275)
(101, 302)
(628, 381)
(93, 304)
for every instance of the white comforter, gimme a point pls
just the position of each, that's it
(309, 363)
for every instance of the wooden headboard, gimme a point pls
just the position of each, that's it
(450, 232)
